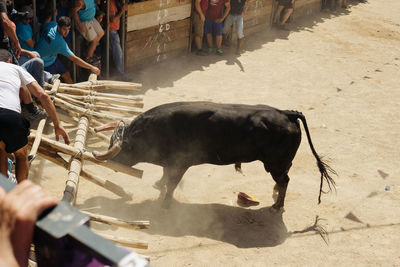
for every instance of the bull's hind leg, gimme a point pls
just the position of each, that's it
(282, 180)
(170, 179)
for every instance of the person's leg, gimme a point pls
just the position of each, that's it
(278, 14)
(218, 36)
(58, 67)
(116, 50)
(3, 159)
(239, 32)
(286, 15)
(208, 31)
(97, 33)
(227, 29)
(21, 164)
(67, 77)
(35, 67)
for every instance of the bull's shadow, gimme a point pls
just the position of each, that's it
(244, 228)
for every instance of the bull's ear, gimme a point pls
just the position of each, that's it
(109, 154)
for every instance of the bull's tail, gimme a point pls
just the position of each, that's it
(325, 170)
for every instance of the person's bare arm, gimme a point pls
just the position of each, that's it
(81, 63)
(9, 30)
(48, 105)
(226, 12)
(78, 5)
(119, 14)
(19, 210)
(28, 53)
(198, 9)
(30, 43)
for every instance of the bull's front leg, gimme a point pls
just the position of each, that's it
(168, 183)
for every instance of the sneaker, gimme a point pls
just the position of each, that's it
(220, 52)
(201, 53)
(210, 50)
(37, 115)
(54, 78)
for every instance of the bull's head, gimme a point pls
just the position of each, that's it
(115, 142)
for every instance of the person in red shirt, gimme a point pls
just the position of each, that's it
(198, 24)
(213, 23)
(115, 43)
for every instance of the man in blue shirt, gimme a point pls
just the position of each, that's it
(24, 29)
(52, 43)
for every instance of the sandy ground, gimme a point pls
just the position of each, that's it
(342, 71)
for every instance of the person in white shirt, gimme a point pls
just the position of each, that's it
(17, 84)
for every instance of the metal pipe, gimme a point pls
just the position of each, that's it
(108, 40)
(73, 49)
(123, 34)
(35, 29)
(54, 10)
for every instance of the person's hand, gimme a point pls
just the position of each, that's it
(95, 70)
(61, 131)
(34, 55)
(202, 18)
(19, 210)
(219, 20)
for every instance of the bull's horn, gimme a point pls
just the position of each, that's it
(107, 126)
(112, 152)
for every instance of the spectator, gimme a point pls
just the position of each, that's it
(198, 24)
(7, 32)
(52, 43)
(19, 210)
(84, 12)
(235, 15)
(14, 127)
(213, 23)
(287, 7)
(24, 29)
(115, 43)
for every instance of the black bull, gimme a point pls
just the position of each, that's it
(179, 135)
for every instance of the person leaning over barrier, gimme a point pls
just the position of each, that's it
(16, 84)
(52, 43)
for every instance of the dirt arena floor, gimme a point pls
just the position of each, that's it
(342, 71)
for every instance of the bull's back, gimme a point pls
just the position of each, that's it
(205, 132)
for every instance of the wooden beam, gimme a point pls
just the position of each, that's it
(82, 154)
(157, 17)
(125, 241)
(118, 222)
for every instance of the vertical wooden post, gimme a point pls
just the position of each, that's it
(75, 168)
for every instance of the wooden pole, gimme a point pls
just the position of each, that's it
(38, 137)
(126, 241)
(77, 153)
(75, 167)
(118, 222)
